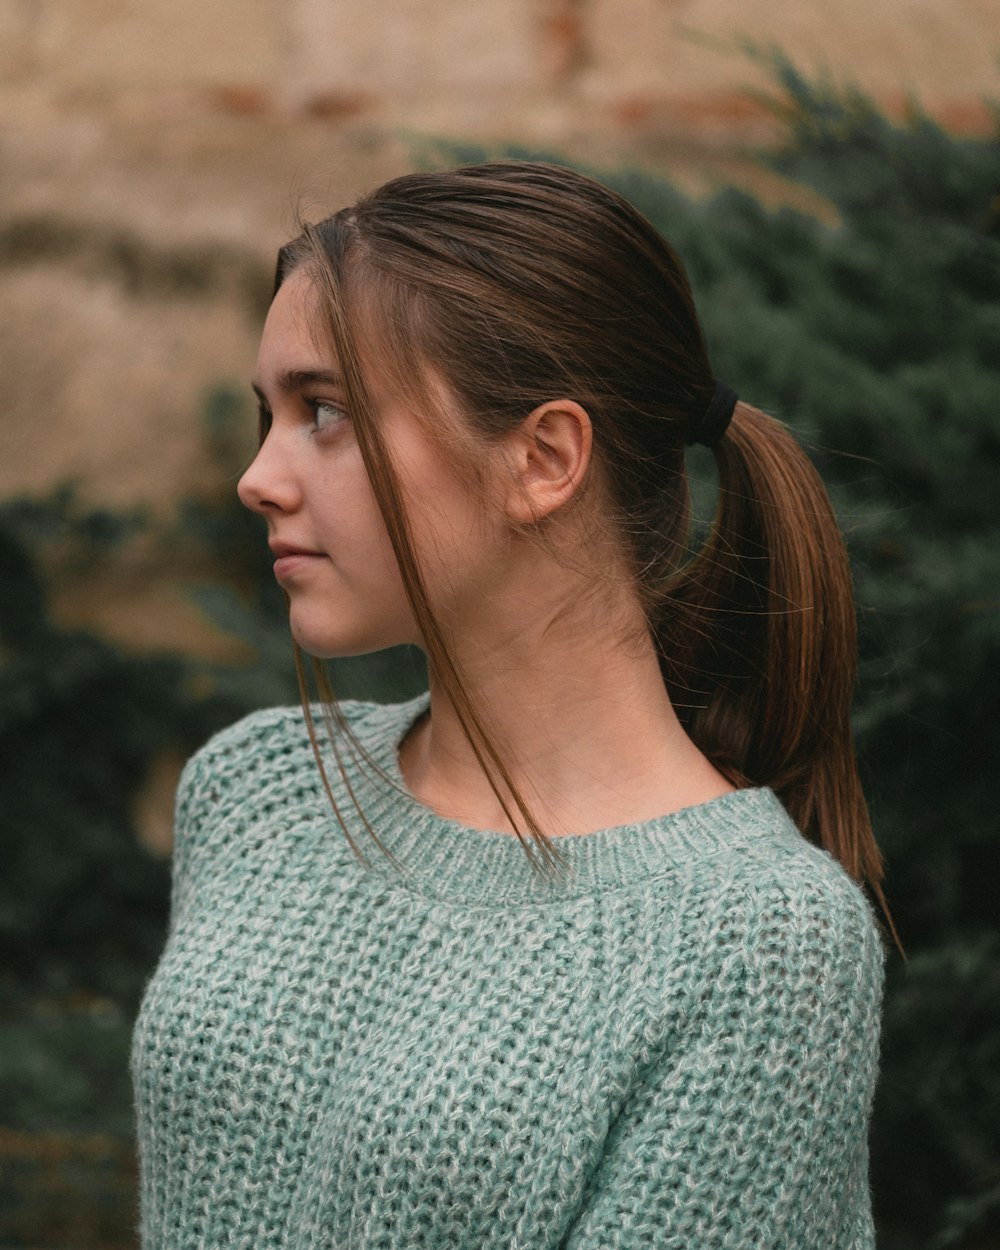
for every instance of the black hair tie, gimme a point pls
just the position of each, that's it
(716, 418)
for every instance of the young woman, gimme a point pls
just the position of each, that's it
(572, 952)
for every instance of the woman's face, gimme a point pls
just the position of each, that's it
(308, 480)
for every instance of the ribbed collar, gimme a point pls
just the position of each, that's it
(444, 859)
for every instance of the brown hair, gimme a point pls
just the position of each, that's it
(521, 283)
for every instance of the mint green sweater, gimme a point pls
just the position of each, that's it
(675, 1046)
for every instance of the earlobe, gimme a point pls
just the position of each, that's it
(551, 450)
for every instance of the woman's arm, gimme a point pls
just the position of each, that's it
(756, 1135)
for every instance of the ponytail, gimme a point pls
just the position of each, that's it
(757, 642)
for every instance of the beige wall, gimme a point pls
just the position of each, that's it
(178, 124)
(526, 63)
(145, 139)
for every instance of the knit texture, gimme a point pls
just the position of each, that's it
(672, 1045)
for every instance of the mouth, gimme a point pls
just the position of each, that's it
(280, 550)
(289, 560)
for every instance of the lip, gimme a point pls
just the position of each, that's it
(289, 559)
(278, 550)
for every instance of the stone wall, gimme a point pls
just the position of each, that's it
(141, 139)
(540, 67)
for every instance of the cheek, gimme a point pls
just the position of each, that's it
(363, 552)
(347, 514)
(457, 544)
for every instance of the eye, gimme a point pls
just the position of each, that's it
(326, 416)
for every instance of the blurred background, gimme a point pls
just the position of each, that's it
(830, 174)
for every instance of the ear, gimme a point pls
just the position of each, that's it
(549, 454)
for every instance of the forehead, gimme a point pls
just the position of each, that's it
(297, 340)
(297, 349)
(294, 326)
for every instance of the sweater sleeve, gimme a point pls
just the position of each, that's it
(754, 1134)
(189, 804)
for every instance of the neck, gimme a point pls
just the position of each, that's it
(579, 714)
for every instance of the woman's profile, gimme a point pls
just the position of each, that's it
(574, 950)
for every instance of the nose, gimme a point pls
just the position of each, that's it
(267, 486)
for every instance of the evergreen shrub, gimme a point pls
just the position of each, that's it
(876, 338)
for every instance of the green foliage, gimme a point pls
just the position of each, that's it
(64, 1060)
(876, 340)
(79, 723)
(942, 1047)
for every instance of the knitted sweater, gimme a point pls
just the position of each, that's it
(674, 1045)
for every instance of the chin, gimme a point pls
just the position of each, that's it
(327, 642)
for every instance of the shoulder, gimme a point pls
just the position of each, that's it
(755, 904)
(746, 849)
(268, 755)
(269, 734)
(768, 970)
(755, 1051)
(809, 933)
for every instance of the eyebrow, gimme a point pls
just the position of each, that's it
(300, 379)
